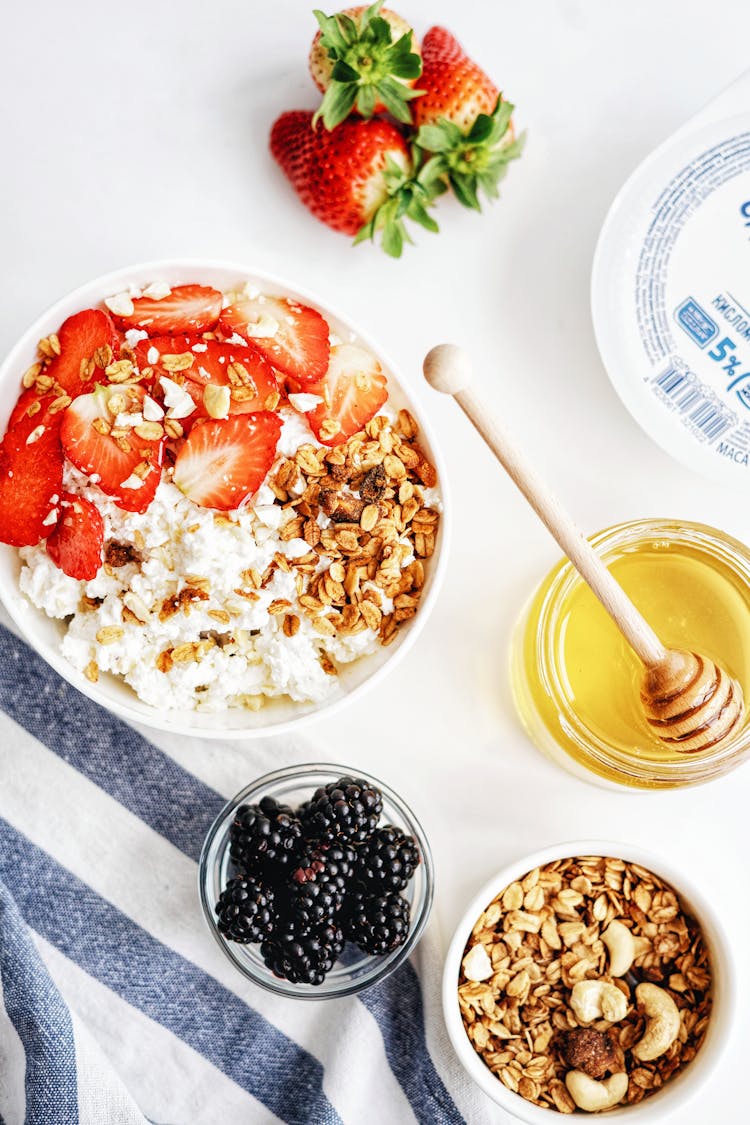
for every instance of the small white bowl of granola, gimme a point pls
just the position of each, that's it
(221, 512)
(589, 977)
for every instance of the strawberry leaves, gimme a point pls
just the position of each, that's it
(410, 194)
(369, 69)
(475, 159)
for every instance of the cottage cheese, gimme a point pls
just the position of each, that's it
(181, 541)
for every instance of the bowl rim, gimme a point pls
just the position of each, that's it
(383, 966)
(673, 1095)
(175, 722)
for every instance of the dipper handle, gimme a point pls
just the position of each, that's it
(447, 368)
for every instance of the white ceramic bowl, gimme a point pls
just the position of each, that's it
(675, 1094)
(45, 634)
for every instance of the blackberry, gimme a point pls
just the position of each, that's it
(386, 861)
(303, 960)
(332, 863)
(316, 889)
(347, 809)
(245, 911)
(264, 834)
(377, 924)
(310, 905)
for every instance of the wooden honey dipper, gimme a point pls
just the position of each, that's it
(690, 702)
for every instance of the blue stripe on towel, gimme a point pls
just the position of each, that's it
(162, 984)
(105, 749)
(42, 1020)
(137, 774)
(396, 1005)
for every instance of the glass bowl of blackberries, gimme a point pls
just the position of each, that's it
(316, 881)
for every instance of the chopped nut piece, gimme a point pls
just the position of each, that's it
(476, 964)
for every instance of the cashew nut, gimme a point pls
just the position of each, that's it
(598, 999)
(662, 1022)
(477, 965)
(621, 948)
(594, 1096)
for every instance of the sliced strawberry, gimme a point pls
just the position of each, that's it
(223, 462)
(186, 308)
(354, 389)
(32, 410)
(296, 339)
(84, 339)
(75, 543)
(114, 463)
(252, 380)
(31, 468)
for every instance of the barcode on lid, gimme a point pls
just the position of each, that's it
(690, 399)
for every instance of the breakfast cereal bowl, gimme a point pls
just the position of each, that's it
(262, 708)
(534, 1089)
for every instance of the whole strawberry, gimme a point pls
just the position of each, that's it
(364, 59)
(359, 178)
(462, 119)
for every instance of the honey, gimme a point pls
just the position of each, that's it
(577, 682)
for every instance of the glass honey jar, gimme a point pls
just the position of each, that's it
(576, 681)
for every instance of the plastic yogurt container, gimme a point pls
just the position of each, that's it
(671, 291)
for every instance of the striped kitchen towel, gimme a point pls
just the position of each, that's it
(116, 1006)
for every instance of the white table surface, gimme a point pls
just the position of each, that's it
(138, 131)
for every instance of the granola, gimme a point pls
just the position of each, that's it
(542, 936)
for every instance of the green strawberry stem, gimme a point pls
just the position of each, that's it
(477, 159)
(367, 66)
(411, 192)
